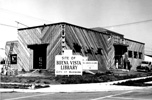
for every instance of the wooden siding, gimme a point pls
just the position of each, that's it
(46, 34)
(16, 50)
(91, 40)
(86, 38)
(135, 47)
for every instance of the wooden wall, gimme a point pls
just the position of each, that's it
(138, 47)
(17, 51)
(94, 44)
(91, 42)
(45, 34)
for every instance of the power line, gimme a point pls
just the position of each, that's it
(126, 24)
(12, 25)
(9, 11)
(8, 25)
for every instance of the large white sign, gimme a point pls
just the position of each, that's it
(68, 65)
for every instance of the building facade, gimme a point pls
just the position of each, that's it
(135, 52)
(38, 46)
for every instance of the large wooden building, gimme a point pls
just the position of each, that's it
(40, 44)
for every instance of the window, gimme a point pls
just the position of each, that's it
(140, 55)
(130, 54)
(99, 51)
(13, 58)
(135, 54)
(77, 47)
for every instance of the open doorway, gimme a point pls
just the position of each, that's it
(121, 56)
(39, 55)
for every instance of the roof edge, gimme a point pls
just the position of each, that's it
(65, 24)
(107, 30)
(134, 41)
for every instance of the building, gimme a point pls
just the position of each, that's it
(38, 45)
(126, 50)
(135, 52)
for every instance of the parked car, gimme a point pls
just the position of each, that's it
(144, 66)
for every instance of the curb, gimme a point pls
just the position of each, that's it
(97, 87)
(91, 87)
(72, 89)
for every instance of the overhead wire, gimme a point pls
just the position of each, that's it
(8, 25)
(144, 21)
(131, 23)
(35, 18)
(118, 25)
(12, 12)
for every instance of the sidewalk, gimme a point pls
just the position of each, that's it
(91, 87)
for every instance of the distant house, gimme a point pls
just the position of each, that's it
(38, 45)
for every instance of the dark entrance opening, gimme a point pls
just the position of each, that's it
(39, 55)
(120, 55)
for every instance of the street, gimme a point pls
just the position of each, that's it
(142, 94)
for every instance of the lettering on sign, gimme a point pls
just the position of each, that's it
(90, 65)
(68, 64)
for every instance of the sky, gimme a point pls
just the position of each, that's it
(132, 18)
